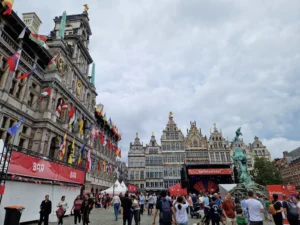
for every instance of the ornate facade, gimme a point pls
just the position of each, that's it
(177, 150)
(42, 131)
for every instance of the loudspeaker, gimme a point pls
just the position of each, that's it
(183, 178)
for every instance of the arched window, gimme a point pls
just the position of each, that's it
(195, 142)
(259, 152)
(53, 147)
(69, 152)
(255, 152)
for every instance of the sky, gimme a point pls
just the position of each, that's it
(229, 62)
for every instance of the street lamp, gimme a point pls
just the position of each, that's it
(115, 179)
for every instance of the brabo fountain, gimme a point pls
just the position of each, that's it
(245, 180)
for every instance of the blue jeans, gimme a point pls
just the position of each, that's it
(183, 223)
(116, 208)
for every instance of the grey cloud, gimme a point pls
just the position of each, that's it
(235, 63)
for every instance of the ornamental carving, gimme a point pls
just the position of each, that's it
(78, 88)
(61, 66)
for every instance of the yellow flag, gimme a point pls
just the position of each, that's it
(70, 160)
(81, 127)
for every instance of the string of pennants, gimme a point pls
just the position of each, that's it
(37, 181)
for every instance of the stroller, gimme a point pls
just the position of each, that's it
(195, 210)
(206, 218)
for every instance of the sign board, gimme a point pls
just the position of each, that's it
(280, 190)
(131, 188)
(25, 165)
(216, 171)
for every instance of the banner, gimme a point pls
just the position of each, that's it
(131, 188)
(25, 165)
(217, 171)
(280, 190)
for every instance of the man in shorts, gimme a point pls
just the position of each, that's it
(150, 204)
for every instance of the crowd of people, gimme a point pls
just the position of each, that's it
(252, 209)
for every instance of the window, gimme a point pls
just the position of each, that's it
(142, 175)
(228, 157)
(137, 174)
(24, 129)
(257, 145)
(30, 99)
(13, 84)
(142, 185)
(21, 142)
(223, 156)
(33, 85)
(212, 156)
(11, 123)
(4, 120)
(217, 157)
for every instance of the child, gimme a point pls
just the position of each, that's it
(240, 218)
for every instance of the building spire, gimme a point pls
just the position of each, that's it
(152, 133)
(170, 115)
(93, 75)
(137, 134)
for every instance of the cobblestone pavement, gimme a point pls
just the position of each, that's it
(106, 217)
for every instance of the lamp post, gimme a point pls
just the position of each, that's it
(114, 185)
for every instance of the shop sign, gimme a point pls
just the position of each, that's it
(29, 166)
(216, 171)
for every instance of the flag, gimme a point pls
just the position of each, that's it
(99, 166)
(13, 130)
(21, 36)
(13, 61)
(9, 4)
(47, 92)
(104, 166)
(81, 156)
(58, 109)
(102, 138)
(72, 115)
(53, 62)
(26, 74)
(70, 160)
(62, 148)
(119, 154)
(39, 39)
(110, 122)
(99, 109)
(90, 130)
(81, 124)
(88, 161)
(75, 118)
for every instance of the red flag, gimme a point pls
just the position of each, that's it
(13, 61)
(25, 75)
(102, 138)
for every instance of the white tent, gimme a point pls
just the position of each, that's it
(115, 189)
(123, 185)
(224, 188)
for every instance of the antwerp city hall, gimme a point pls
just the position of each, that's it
(207, 159)
(52, 109)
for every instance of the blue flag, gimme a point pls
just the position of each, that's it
(13, 130)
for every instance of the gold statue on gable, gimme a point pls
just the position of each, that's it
(170, 114)
(78, 88)
(86, 7)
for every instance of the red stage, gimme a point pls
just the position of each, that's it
(176, 190)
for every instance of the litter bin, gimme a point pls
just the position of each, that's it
(13, 215)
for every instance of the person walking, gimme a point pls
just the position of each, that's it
(255, 209)
(136, 209)
(214, 212)
(116, 202)
(244, 208)
(150, 204)
(85, 211)
(77, 209)
(142, 202)
(181, 205)
(165, 209)
(278, 219)
(266, 205)
(45, 210)
(228, 210)
(126, 205)
(62, 206)
(290, 210)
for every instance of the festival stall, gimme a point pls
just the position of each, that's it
(116, 189)
(123, 185)
(132, 189)
(177, 190)
(32, 176)
(224, 188)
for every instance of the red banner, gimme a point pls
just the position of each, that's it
(217, 171)
(132, 188)
(176, 190)
(25, 165)
(280, 190)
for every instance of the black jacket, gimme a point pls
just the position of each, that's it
(46, 207)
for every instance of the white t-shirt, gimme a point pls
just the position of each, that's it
(254, 207)
(181, 215)
(135, 202)
(116, 200)
(151, 199)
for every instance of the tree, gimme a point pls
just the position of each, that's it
(265, 172)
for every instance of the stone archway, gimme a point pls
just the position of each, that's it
(68, 153)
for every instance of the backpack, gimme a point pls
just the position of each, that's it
(165, 211)
(272, 209)
(292, 209)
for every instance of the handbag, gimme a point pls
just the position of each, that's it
(59, 212)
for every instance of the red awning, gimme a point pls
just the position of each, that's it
(177, 190)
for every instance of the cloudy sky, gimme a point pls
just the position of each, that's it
(233, 63)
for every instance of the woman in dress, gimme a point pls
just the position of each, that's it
(77, 209)
(64, 205)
